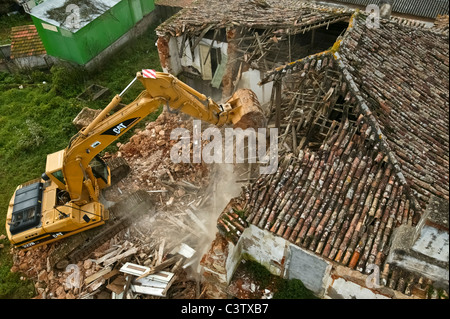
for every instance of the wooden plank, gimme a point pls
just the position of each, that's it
(201, 36)
(186, 251)
(106, 256)
(121, 256)
(197, 221)
(216, 32)
(148, 290)
(115, 288)
(127, 287)
(97, 275)
(278, 104)
(160, 251)
(118, 285)
(111, 274)
(261, 49)
(220, 71)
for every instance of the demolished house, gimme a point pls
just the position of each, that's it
(218, 47)
(358, 207)
(362, 186)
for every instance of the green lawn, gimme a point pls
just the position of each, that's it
(36, 119)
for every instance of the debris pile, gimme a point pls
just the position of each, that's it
(157, 256)
(148, 154)
(137, 263)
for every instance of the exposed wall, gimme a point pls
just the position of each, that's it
(34, 62)
(311, 269)
(424, 249)
(201, 70)
(325, 278)
(265, 248)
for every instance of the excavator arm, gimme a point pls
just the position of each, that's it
(65, 201)
(162, 89)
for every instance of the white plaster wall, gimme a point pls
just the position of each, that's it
(434, 243)
(264, 247)
(250, 80)
(31, 62)
(312, 270)
(423, 267)
(233, 259)
(342, 288)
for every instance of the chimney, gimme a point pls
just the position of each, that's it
(386, 8)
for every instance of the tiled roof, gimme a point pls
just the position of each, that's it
(406, 83)
(254, 14)
(400, 74)
(422, 8)
(341, 202)
(25, 41)
(374, 113)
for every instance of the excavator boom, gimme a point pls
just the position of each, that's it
(66, 199)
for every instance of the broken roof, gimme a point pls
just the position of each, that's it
(399, 75)
(25, 41)
(253, 14)
(377, 108)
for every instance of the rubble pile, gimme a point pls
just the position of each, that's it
(101, 276)
(157, 256)
(148, 154)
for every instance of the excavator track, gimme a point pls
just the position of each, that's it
(122, 215)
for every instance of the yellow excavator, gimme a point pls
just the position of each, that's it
(66, 200)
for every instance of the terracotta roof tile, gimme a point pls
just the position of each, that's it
(373, 165)
(25, 41)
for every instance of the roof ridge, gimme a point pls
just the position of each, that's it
(365, 110)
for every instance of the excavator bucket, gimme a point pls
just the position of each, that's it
(246, 111)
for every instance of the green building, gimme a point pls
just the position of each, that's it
(78, 30)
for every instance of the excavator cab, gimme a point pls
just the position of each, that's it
(26, 211)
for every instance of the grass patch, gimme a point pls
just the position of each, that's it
(283, 288)
(36, 113)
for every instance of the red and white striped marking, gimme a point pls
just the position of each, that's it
(149, 73)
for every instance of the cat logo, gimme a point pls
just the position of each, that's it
(119, 128)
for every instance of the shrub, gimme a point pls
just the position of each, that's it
(67, 81)
(292, 289)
